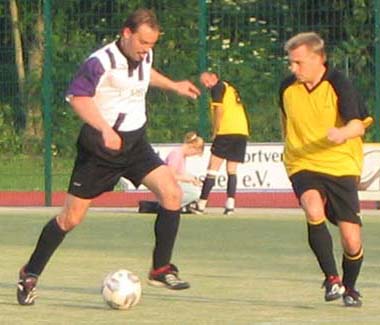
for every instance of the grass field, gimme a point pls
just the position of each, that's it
(252, 268)
(30, 173)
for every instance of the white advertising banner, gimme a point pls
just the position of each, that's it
(263, 169)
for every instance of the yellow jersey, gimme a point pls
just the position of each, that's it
(307, 117)
(234, 116)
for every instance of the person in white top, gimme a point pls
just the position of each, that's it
(108, 94)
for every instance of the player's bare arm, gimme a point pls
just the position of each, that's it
(86, 109)
(354, 128)
(184, 87)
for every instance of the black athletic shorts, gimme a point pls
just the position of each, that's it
(230, 147)
(97, 169)
(340, 192)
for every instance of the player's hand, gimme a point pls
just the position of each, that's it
(111, 139)
(187, 88)
(336, 135)
(208, 79)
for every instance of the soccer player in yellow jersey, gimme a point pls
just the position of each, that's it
(323, 123)
(230, 130)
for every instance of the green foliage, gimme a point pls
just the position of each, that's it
(10, 141)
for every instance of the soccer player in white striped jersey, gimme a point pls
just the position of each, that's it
(108, 93)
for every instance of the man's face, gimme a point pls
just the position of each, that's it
(137, 44)
(306, 65)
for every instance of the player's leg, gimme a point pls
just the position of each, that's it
(163, 184)
(50, 238)
(231, 168)
(88, 180)
(235, 148)
(311, 190)
(214, 165)
(352, 261)
(321, 243)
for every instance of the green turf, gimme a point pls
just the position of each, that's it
(245, 269)
(30, 173)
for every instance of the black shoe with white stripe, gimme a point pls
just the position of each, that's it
(228, 212)
(167, 276)
(351, 298)
(334, 289)
(26, 288)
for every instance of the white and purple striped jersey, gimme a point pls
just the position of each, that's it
(117, 86)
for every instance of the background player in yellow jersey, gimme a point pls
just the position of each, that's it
(323, 122)
(230, 129)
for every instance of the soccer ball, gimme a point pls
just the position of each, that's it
(121, 289)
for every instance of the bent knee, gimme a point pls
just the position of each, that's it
(171, 197)
(315, 214)
(68, 221)
(175, 194)
(352, 247)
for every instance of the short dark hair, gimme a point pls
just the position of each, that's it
(139, 17)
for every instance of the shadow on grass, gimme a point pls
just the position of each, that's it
(66, 298)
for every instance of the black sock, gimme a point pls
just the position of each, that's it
(231, 185)
(51, 237)
(208, 184)
(351, 268)
(165, 229)
(320, 242)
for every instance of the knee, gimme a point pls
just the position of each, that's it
(171, 196)
(315, 214)
(175, 194)
(352, 246)
(68, 220)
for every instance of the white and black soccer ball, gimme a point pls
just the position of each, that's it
(121, 289)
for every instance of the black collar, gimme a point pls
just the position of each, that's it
(133, 64)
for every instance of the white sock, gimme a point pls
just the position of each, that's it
(230, 203)
(202, 204)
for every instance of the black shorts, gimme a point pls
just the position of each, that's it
(98, 169)
(230, 147)
(340, 192)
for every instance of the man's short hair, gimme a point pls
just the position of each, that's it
(311, 39)
(140, 17)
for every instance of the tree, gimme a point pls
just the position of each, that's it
(27, 30)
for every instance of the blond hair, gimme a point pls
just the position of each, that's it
(310, 39)
(194, 140)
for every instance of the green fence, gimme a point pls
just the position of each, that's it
(43, 43)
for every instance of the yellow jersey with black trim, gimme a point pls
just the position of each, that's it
(307, 115)
(234, 117)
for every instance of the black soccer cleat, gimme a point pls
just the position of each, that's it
(167, 276)
(26, 288)
(334, 289)
(228, 212)
(351, 298)
(195, 209)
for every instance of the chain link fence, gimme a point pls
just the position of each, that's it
(44, 42)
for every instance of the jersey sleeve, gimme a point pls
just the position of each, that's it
(86, 79)
(217, 92)
(350, 105)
